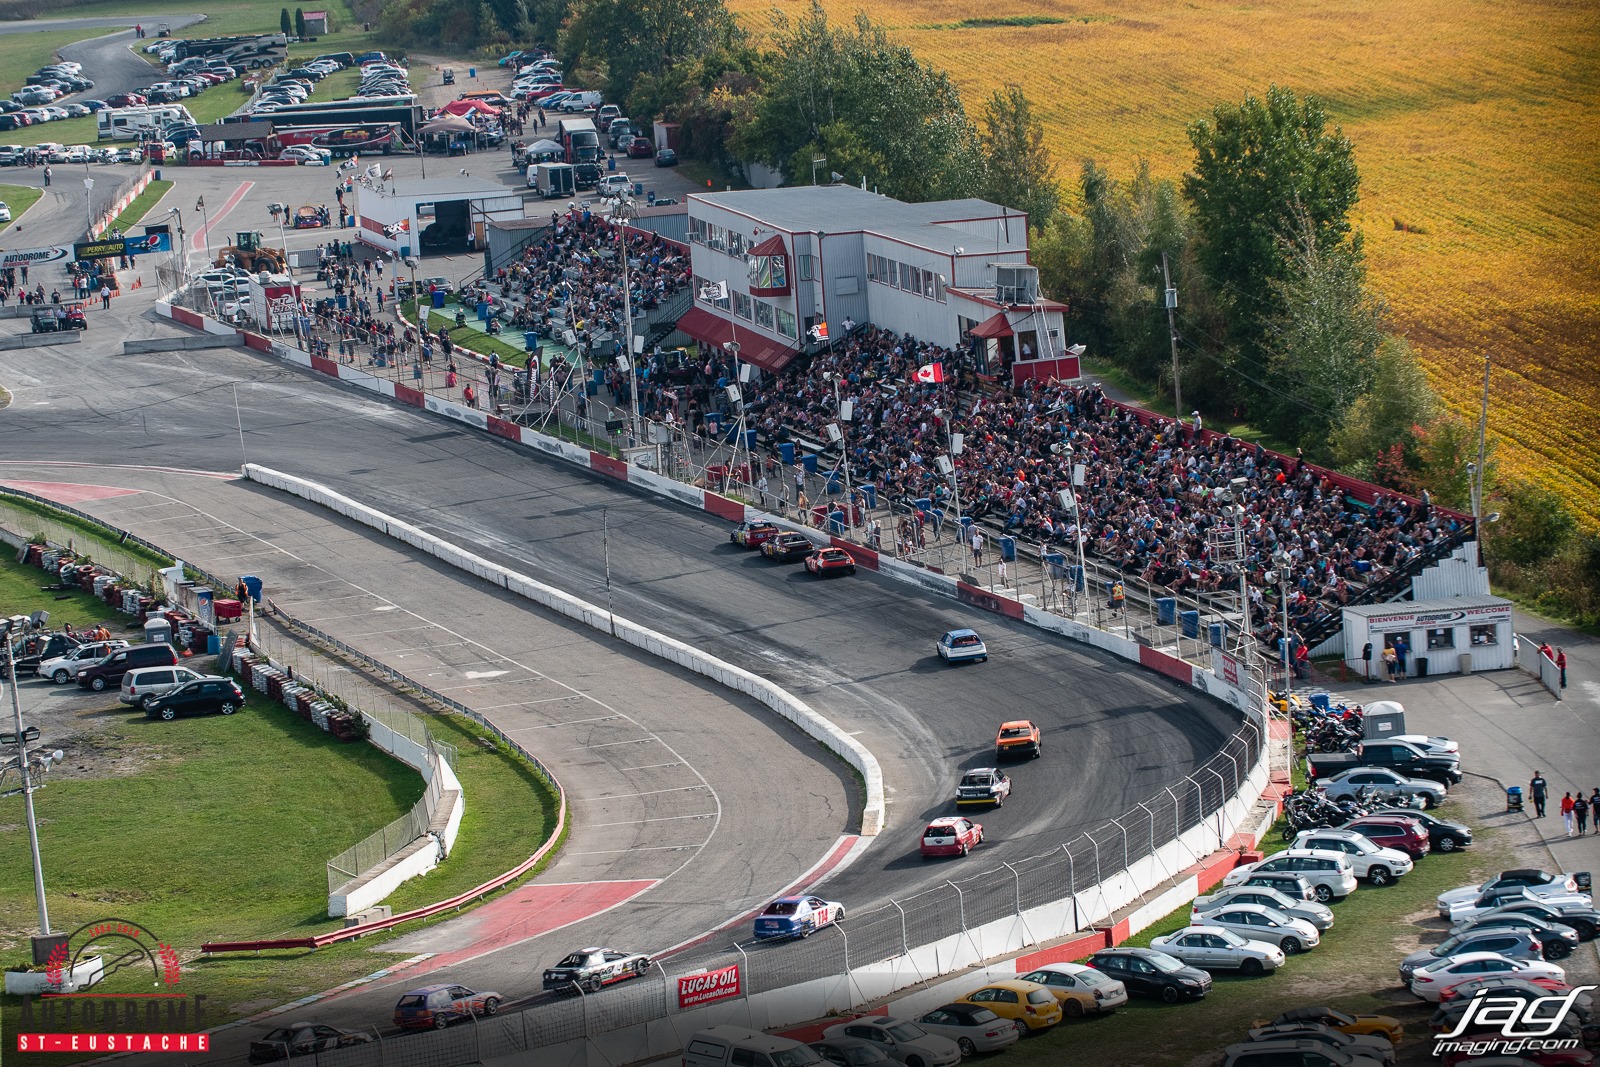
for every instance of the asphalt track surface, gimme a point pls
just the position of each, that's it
(859, 649)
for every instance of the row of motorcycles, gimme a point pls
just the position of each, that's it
(1336, 729)
(1312, 809)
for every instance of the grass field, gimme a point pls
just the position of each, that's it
(1476, 127)
(141, 205)
(18, 198)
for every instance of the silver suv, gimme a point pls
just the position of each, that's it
(141, 686)
(1331, 874)
(1515, 944)
(1376, 864)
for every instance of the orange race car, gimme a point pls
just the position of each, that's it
(1016, 740)
(826, 561)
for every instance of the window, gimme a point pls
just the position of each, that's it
(717, 237)
(1445, 638)
(808, 268)
(786, 324)
(741, 305)
(735, 244)
(891, 276)
(697, 231)
(764, 315)
(1485, 635)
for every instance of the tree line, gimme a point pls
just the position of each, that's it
(1277, 325)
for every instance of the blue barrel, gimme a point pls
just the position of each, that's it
(611, 163)
(1008, 549)
(836, 523)
(1320, 702)
(252, 587)
(924, 503)
(1166, 610)
(1190, 621)
(472, 72)
(869, 491)
(750, 440)
(786, 452)
(213, 644)
(638, 188)
(714, 422)
(483, 310)
(344, 302)
(438, 298)
(809, 463)
(835, 483)
(1214, 634)
(530, 340)
(966, 527)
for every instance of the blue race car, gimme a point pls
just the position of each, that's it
(962, 644)
(791, 917)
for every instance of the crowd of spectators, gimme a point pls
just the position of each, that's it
(1154, 492)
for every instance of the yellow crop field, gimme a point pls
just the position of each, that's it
(1476, 126)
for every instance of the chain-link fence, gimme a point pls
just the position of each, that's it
(378, 846)
(29, 524)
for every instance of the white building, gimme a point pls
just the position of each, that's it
(1447, 636)
(953, 272)
(395, 217)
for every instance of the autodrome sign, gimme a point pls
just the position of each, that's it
(16, 257)
(708, 986)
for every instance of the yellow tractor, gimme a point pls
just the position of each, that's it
(250, 252)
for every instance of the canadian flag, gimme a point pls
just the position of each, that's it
(932, 372)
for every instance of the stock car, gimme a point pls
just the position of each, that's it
(796, 917)
(753, 534)
(434, 1007)
(1016, 739)
(590, 968)
(983, 785)
(826, 561)
(788, 547)
(951, 835)
(303, 1039)
(957, 645)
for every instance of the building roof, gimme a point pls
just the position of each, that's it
(846, 209)
(236, 131)
(455, 187)
(1427, 607)
(317, 15)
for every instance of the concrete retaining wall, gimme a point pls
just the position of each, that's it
(181, 344)
(42, 340)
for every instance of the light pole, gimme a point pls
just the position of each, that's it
(10, 629)
(844, 411)
(200, 206)
(1069, 500)
(179, 252)
(815, 163)
(88, 206)
(621, 211)
(1282, 560)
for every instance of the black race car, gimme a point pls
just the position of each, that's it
(788, 548)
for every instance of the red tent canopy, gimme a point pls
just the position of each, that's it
(465, 107)
(994, 326)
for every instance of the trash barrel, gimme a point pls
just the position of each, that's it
(530, 340)
(438, 298)
(483, 310)
(835, 483)
(1214, 634)
(1008, 549)
(1422, 666)
(1320, 702)
(252, 586)
(611, 163)
(1189, 621)
(809, 463)
(836, 525)
(638, 188)
(472, 72)
(1166, 610)
(1464, 662)
(870, 491)
(786, 452)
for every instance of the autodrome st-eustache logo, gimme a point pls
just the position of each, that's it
(67, 1017)
(1522, 1026)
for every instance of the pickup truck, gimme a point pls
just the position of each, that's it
(1400, 756)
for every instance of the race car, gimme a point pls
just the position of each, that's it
(958, 645)
(950, 835)
(826, 561)
(434, 1007)
(788, 547)
(590, 968)
(1017, 739)
(753, 534)
(791, 917)
(983, 785)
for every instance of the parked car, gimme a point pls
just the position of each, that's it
(1393, 831)
(1359, 781)
(1331, 874)
(1297, 1051)
(1430, 982)
(1152, 973)
(1512, 944)
(69, 665)
(1559, 939)
(666, 157)
(1585, 922)
(45, 648)
(145, 684)
(1291, 885)
(899, 1040)
(1531, 882)
(305, 153)
(1027, 1004)
(1081, 990)
(641, 148)
(1318, 915)
(1257, 923)
(973, 1027)
(1379, 866)
(1443, 836)
(1344, 1022)
(847, 1052)
(205, 697)
(1465, 910)
(1375, 1046)
(1214, 948)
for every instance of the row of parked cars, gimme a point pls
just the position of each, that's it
(147, 676)
(39, 98)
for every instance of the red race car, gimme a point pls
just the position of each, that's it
(950, 835)
(826, 561)
(753, 534)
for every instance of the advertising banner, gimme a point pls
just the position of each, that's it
(708, 986)
(16, 257)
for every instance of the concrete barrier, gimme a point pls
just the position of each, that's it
(180, 344)
(42, 340)
(736, 678)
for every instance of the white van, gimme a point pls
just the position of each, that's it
(734, 1046)
(145, 684)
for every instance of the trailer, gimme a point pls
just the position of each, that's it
(551, 179)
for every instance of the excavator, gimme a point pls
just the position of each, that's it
(250, 252)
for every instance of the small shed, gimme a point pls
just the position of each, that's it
(1455, 635)
(316, 23)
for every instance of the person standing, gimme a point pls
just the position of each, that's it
(1561, 665)
(1391, 663)
(1580, 812)
(105, 297)
(1566, 812)
(1401, 650)
(1538, 789)
(1594, 807)
(761, 492)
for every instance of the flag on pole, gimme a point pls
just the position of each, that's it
(929, 373)
(712, 292)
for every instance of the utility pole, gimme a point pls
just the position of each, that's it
(1172, 333)
(9, 634)
(1483, 428)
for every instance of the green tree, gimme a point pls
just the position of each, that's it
(299, 23)
(1322, 345)
(1264, 169)
(1019, 171)
(631, 40)
(285, 23)
(1399, 400)
(1535, 524)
